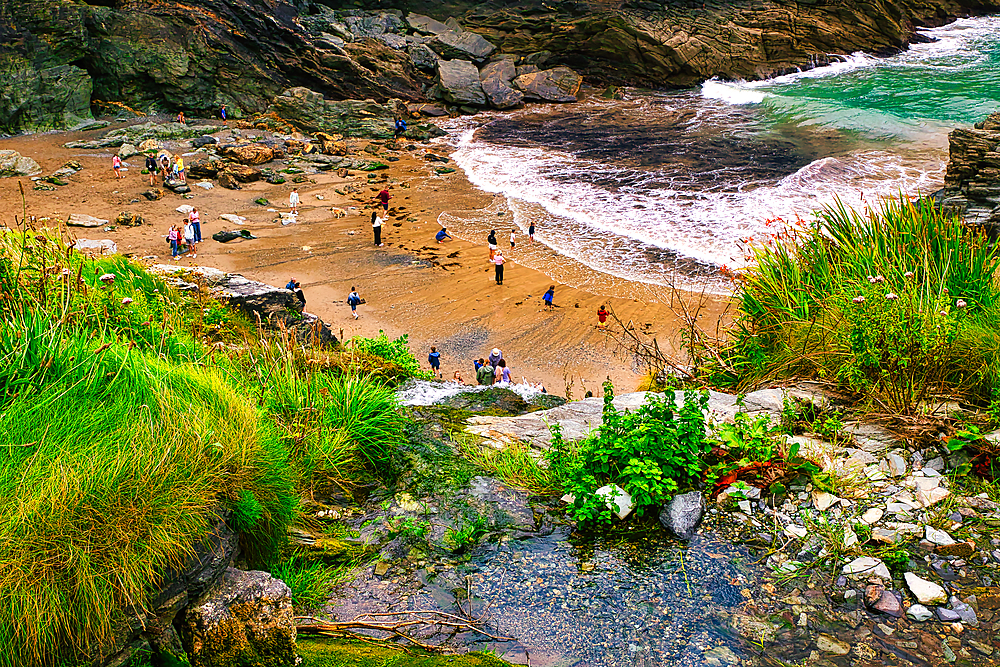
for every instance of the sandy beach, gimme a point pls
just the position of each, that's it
(439, 294)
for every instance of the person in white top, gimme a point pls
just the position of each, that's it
(377, 228)
(293, 200)
(189, 239)
(195, 219)
(512, 238)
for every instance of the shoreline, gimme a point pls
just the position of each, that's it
(437, 294)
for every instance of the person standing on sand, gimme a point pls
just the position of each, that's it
(499, 261)
(512, 232)
(377, 228)
(195, 219)
(602, 317)
(151, 167)
(192, 245)
(492, 241)
(434, 359)
(353, 300)
(485, 375)
(548, 296)
(174, 236)
(222, 112)
(531, 232)
(179, 168)
(384, 197)
(116, 164)
(293, 201)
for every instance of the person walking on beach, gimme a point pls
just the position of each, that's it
(116, 164)
(502, 373)
(485, 374)
(400, 129)
(548, 296)
(492, 241)
(151, 167)
(195, 219)
(499, 261)
(442, 235)
(602, 317)
(353, 300)
(512, 233)
(293, 201)
(434, 359)
(531, 232)
(384, 197)
(174, 236)
(192, 245)
(222, 112)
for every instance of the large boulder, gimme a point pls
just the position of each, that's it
(452, 45)
(241, 172)
(423, 57)
(248, 153)
(84, 220)
(560, 84)
(13, 163)
(310, 112)
(425, 25)
(458, 83)
(247, 619)
(497, 79)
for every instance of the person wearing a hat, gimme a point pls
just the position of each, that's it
(495, 356)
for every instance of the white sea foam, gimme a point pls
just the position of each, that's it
(424, 393)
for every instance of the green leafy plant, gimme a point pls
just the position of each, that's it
(310, 582)
(246, 512)
(468, 535)
(394, 351)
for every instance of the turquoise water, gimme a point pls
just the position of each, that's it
(661, 187)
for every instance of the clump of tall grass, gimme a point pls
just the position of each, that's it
(893, 303)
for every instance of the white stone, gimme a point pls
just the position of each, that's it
(184, 209)
(745, 506)
(205, 185)
(896, 464)
(823, 500)
(938, 537)
(233, 218)
(83, 220)
(617, 500)
(100, 247)
(830, 644)
(796, 530)
(926, 592)
(867, 566)
(919, 613)
(932, 497)
(850, 538)
(872, 516)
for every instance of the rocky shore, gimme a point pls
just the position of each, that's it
(62, 61)
(972, 183)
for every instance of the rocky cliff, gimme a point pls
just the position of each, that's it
(972, 183)
(59, 59)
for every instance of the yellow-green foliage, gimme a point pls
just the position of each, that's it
(342, 653)
(124, 438)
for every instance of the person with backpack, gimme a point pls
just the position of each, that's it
(434, 359)
(400, 129)
(353, 300)
(192, 245)
(485, 374)
(151, 167)
(548, 296)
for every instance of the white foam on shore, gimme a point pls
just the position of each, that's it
(424, 392)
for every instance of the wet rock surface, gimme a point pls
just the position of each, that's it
(972, 182)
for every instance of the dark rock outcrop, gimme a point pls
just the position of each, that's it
(452, 45)
(553, 85)
(972, 183)
(458, 82)
(310, 112)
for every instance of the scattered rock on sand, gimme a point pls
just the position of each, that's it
(13, 163)
(84, 220)
(228, 181)
(128, 219)
(683, 513)
(227, 236)
(248, 154)
(98, 247)
(153, 195)
(178, 186)
(127, 151)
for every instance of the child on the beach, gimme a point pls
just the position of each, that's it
(116, 164)
(602, 317)
(548, 296)
(434, 359)
(293, 200)
(512, 238)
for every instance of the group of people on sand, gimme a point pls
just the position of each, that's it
(185, 237)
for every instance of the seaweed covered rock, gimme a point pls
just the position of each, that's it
(246, 619)
(310, 112)
(495, 400)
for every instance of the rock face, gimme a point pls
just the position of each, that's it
(461, 46)
(42, 96)
(246, 620)
(459, 83)
(554, 85)
(13, 163)
(972, 183)
(497, 79)
(310, 112)
(683, 514)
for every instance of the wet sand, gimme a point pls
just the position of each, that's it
(439, 294)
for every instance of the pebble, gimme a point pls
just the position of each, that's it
(938, 537)
(919, 613)
(867, 566)
(872, 516)
(946, 615)
(964, 611)
(985, 649)
(889, 604)
(829, 644)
